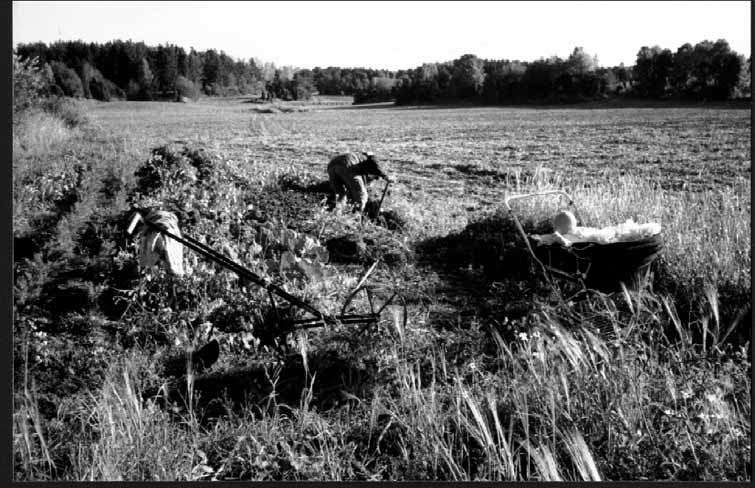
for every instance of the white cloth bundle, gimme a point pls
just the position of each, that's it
(154, 246)
(626, 232)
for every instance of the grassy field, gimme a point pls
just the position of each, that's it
(479, 370)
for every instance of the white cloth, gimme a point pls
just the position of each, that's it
(627, 232)
(155, 247)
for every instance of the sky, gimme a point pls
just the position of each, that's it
(392, 35)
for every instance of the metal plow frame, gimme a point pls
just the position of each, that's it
(319, 320)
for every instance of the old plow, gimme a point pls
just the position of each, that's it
(282, 324)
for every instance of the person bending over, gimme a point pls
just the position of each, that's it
(350, 174)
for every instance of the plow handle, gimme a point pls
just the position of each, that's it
(540, 194)
(227, 263)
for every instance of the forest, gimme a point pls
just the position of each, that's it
(135, 71)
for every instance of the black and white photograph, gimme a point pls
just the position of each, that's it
(381, 241)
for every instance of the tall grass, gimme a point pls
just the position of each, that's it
(37, 133)
(706, 233)
(130, 439)
(127, 438)
(570, 406)
(27, 426)
(573, 405)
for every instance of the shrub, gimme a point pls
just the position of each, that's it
(67, 80)
(36, 131)
(40, 123)
(137, 91)
(99, 90)
(373, 95)
(302, 86)
(55, 90)
(229, 91)
(28, 83)
(186, 88)
(95, 85)
(211, 89)
(70, 111)
(115, 91)
(133, 90)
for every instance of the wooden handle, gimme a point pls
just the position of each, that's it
(134, 220)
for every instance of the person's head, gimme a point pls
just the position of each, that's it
(564, 222)
(371, 166)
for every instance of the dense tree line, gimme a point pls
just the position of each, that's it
(706, 71)
(291, 85)
(346, 81)
(133, 70)
(709, 70)
(126, 69)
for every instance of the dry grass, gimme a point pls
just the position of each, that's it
(38, 133)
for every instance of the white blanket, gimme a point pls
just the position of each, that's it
(626, 232)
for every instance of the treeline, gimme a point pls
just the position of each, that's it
(708, 70)
(290, 84)
(553, 80)
(135, 71)
(347, 81)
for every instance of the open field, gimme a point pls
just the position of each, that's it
(479, 371)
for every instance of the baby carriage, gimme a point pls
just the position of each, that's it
(594, 265)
